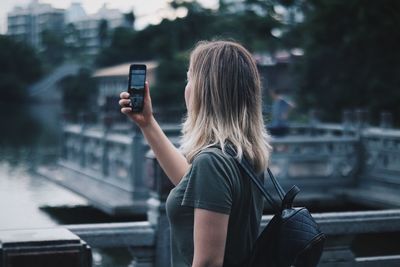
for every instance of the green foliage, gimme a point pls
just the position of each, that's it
(130, 18)
(103, 32)
(73, 40)
(171, 82)
(79, 92)
(120, 49)
(170, 41)
(351, 57)
(19, 67)
(250, 26)
(155, 41)
(53, 48)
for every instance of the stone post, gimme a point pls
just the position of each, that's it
(107, 123)
(65, 120)
(43, 247)
(386, 120)
(337, 252)
(362, 119)
(82, 124)
(313, 121)
(347, 121)
(159, 186)
(138, 149)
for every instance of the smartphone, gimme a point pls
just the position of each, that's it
(137, 79)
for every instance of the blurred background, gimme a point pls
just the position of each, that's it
(64, 63)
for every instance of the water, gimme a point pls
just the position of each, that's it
(30, 135)
(22, 195)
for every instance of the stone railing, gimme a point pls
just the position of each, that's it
(103, 166)
(329, 162)
(111, 156)
(382, 155)
(315, 160)
(314, 156)
(348, 241)
(362, 238)
(353, 239)
(378, 181)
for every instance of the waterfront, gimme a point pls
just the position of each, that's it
(29, 137)
(23, 198)
(29, 201)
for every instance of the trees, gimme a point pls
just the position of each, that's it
(171, 82)
(75, 90)
(130, 18)
(19, 67)
(54, 48)
(103, 33)
(351, 57)
(249, 23)
(170, 41)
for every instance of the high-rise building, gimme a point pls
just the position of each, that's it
(28, 23)
(87, 33)
(88, 27)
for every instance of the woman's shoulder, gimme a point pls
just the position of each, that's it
(215, 157)
(212, 152)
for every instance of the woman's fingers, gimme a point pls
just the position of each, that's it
(126, 110)
(124, 95)
(124, 102)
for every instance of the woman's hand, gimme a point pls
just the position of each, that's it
(144, 118)
(171, 160)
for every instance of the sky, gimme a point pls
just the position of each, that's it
(147, 11)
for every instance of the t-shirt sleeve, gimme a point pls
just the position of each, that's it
(209, 186)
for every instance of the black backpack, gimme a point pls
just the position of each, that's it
(292, 237)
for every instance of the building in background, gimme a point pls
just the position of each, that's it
(28, 23)
(91, 30)
(82, 31)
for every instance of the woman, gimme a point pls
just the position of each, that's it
(214, 210)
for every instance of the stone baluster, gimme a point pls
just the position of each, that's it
(386, 120)
(313, 121)
(107, 121)
(107, 124)
(361, 119)
(81, 121)
(347, 121)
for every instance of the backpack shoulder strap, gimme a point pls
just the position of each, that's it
(253, 177)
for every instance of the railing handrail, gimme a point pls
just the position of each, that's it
(142, 234)
(313, 139)
(375, 131)
(107, 235)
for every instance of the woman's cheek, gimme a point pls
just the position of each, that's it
(187, 94)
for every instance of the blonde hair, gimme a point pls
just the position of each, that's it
(225, 103)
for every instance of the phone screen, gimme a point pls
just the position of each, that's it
(137, 78)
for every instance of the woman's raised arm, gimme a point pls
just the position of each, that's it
(170, 159)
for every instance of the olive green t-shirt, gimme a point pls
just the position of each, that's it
(214, 182)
